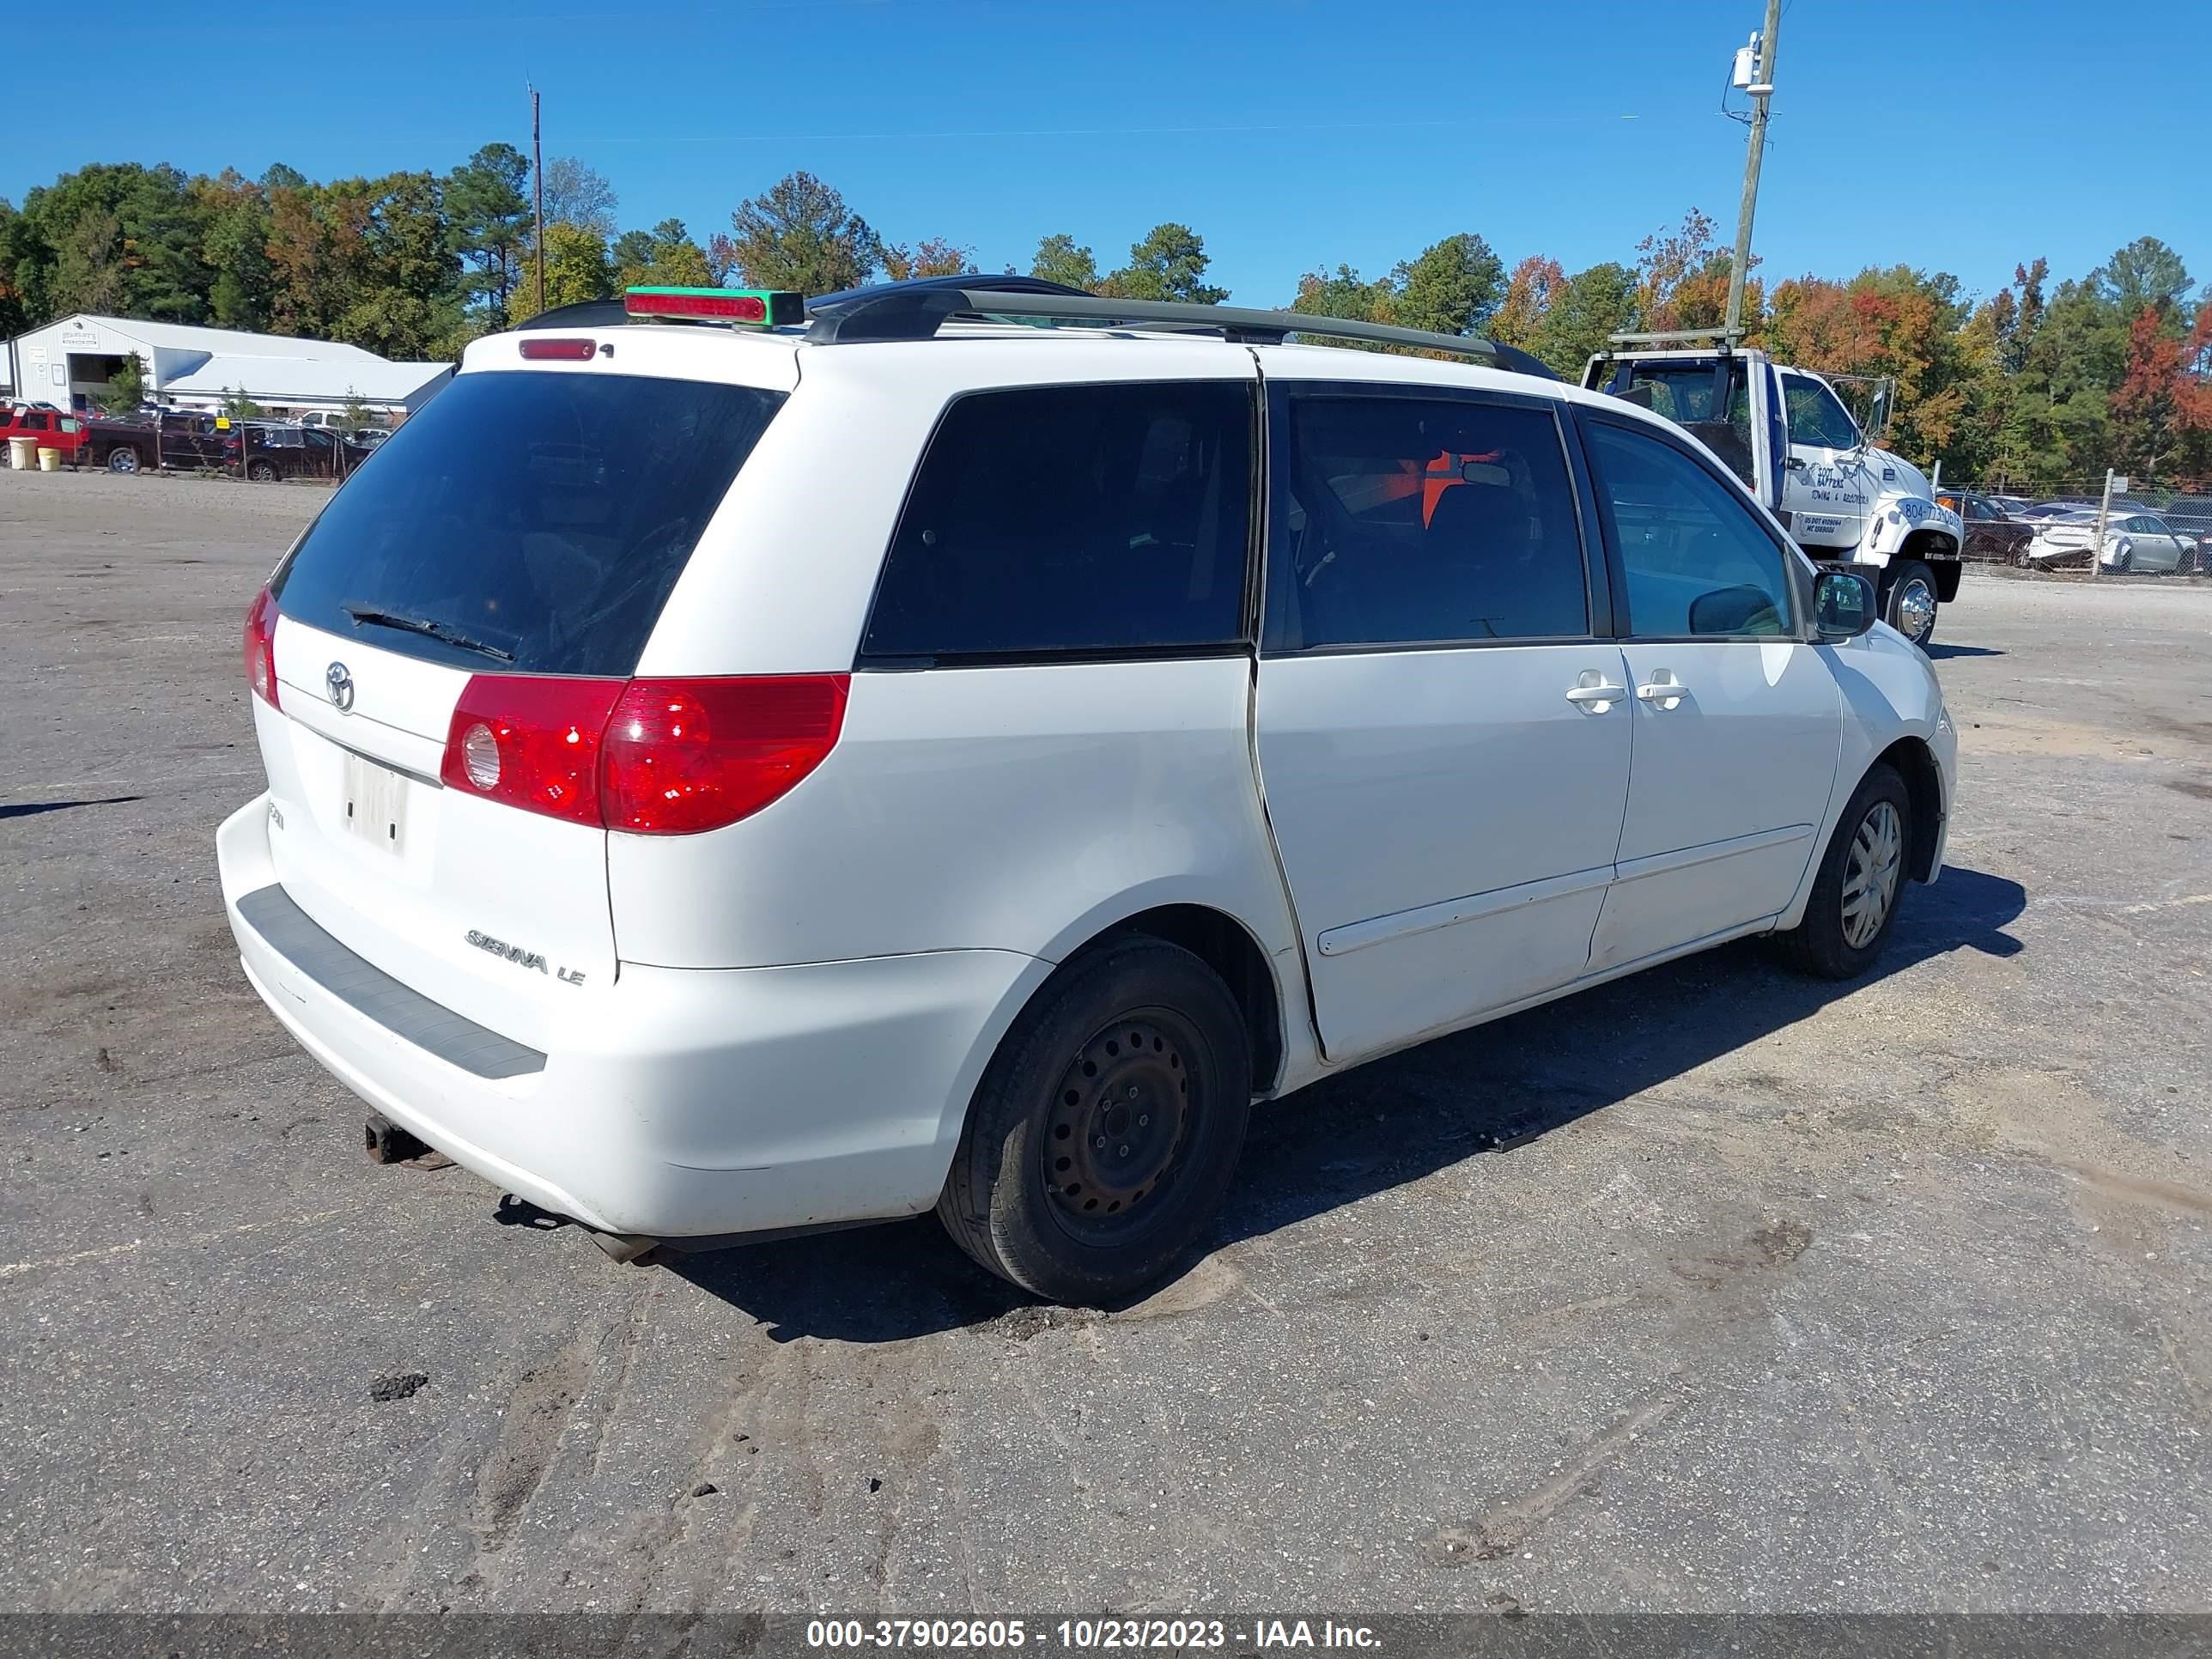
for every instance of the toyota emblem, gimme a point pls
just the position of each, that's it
(339, 678)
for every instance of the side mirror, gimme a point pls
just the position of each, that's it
(1843, 604)
(1878, 414)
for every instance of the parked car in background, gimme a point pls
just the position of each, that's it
(2133, 541)
(51, 428)
(1992, 532)
(181, 438)
(2144, 541)
(334, 419)
(2054, 509)
(285, 449)
(2013, 505)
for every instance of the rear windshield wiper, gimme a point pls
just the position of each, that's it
(437, 630)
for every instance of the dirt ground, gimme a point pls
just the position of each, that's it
(1712, 1289)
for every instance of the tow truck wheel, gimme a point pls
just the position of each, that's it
(1911, 608)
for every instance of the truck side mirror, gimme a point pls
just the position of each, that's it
(1878, 414)
(1843, 604)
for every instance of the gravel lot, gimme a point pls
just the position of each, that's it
(1713, 1289)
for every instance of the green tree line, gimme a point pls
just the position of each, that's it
(2039, 384)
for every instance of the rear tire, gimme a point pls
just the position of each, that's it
(1106, 1127)
(122, 460)
(1863, 866)
(262, 472)
(1911, 606)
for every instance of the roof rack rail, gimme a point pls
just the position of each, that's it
(1684, 336)
(615, 313)
(900, 313)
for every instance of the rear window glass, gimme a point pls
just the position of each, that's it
(1069, 520)
(544, 515)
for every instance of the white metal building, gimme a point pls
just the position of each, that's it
(195, 368)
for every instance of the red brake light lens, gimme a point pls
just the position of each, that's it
(650, 758)
(761, 308)
(261, 647)
(530, 741)
(684, 756)
(559, 351)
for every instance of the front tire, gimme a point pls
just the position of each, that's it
(1912, 604)
(1106, 1127)
(1861, 877)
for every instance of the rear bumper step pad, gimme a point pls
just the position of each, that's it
(375, 994)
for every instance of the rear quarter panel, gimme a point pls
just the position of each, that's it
(1022, 808)
(1011, 809)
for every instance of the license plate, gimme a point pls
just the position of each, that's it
(375, 803)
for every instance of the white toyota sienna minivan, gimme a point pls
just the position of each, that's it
(740, 765)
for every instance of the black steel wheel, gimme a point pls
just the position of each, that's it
(1118, 1124)
(1106, 1127)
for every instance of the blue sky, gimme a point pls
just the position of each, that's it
(1957, 135)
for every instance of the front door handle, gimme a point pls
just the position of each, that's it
(1592, 694)
(1662, 690)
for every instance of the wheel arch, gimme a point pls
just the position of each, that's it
(1227, 946)
(1216, 937)
(1940, 553)
(1914, 761)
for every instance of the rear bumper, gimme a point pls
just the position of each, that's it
(679, 1103)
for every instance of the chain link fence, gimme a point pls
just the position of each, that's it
(2152, 527)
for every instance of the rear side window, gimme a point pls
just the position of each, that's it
(1072, 520)
(544, 515)
(1423, 520)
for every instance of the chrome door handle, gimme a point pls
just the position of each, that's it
(1662, 690)
(1592, 694)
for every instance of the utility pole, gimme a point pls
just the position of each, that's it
(537, 178)
(1762, 92)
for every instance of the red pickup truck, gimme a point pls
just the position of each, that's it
(50, 427)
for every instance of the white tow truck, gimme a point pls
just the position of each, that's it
(1789, 436)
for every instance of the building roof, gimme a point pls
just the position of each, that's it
(276, 368)
(278, 380)
(192, 337)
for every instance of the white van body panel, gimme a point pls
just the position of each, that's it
(780, 1022)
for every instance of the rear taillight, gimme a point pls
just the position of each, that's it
(261, 647)
(684, 755)
(532, 742)
(651, 758)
